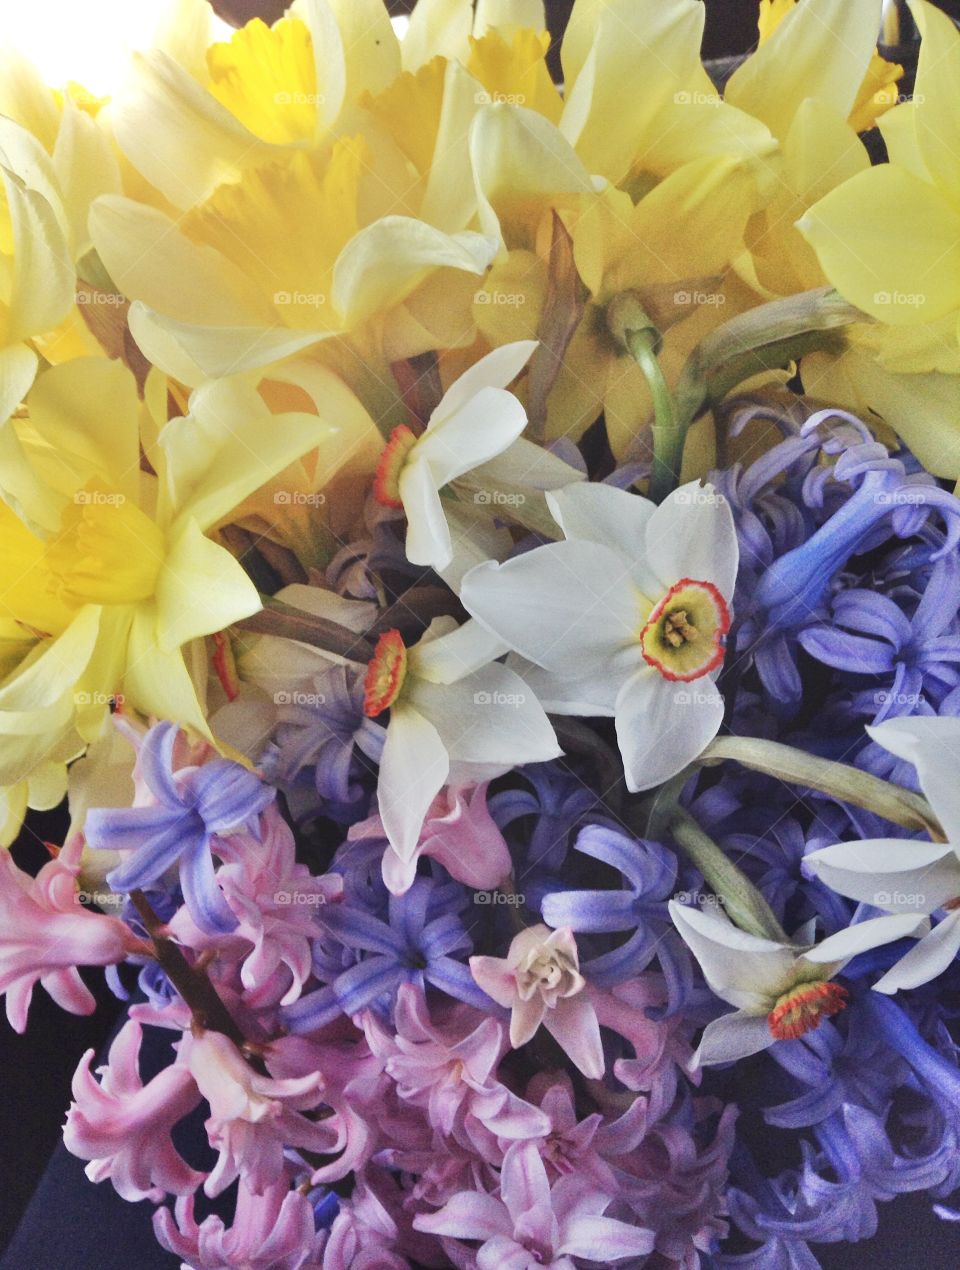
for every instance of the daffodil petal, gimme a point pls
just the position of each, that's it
(821, 49)
(857, 233)
(201, 589)
(413, 768)
(895, 874)
(929, 958)
(663, 726)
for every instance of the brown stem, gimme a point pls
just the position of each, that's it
(280, 619)
(208, 1010)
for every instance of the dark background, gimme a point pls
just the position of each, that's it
(75, 1226)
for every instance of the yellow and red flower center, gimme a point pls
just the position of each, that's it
(800, 1010)
(385, 674)
(683, 636)
(386, 482)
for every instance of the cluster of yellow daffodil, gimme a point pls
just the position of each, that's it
(211, 282)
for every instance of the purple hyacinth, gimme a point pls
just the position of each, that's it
(193, 805)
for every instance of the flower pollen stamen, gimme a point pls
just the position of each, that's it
(385, 674)
(386, 482)
(800, 1010)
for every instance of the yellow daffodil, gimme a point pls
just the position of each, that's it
(889, 240)
(115, 577)
(878, 91)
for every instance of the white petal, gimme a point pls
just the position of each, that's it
(450, 657)
(613, 517)
(837, 949)
(481, 428)
(490, 717)
(558, 605)
(743, 969)
(733, 1036)
(413, 768)
(932, 745)
(475, 539)
(529, 464)
(931, 957)
(428, 540)
(590, 691)
(892, 873)
(496, 370)
(692, 535)
(663, 726)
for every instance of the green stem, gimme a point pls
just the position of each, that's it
(742, 902)
(669, 431)
(838, 780)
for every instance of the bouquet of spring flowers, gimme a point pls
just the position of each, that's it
(478, 559)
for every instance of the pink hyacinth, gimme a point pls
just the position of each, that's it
(122, 1126)
(275, 901)
(46, 933)
(252, 1116)
(450, 1074)
(531, 1222)
(272, 1231)
(540, 981)
(458, 832)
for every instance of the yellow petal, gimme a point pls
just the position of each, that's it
(225, 448)
(522, 164)
(937, 97)
(858, 233)
(179, 136)
(438, 28)
(86, 167)
(821, 49)
(514, 69)
(87, 411)
(370, 45)
(157, 682)
(387, 260)
(610, 45)
(201, 589)
(508, 16)
(150, 258)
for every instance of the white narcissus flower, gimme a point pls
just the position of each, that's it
(627, 617)
(904, 875)
(781, 991)
(456, 717)
(476, 420)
